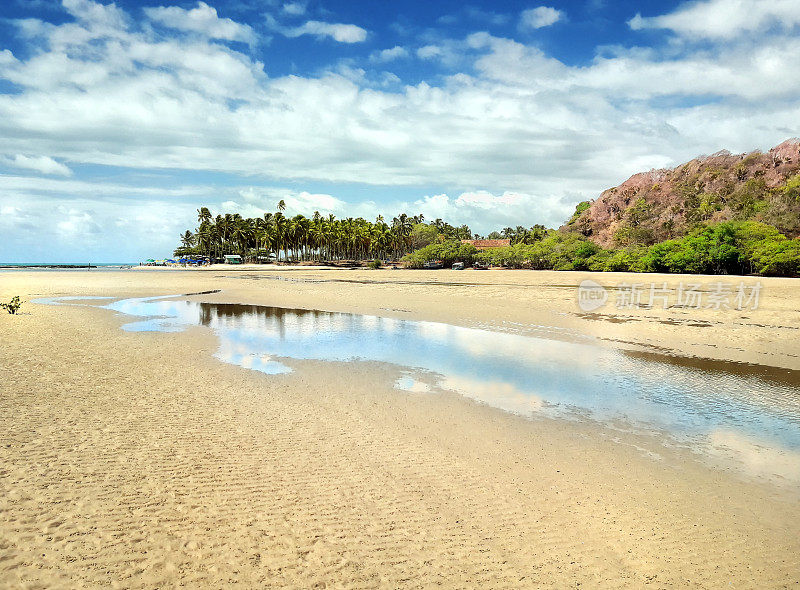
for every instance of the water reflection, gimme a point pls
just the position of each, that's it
(408, 383)
(67, 300)
(517, 373)
(756, 458)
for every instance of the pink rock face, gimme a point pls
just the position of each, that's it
(668, 192)
(786, 152)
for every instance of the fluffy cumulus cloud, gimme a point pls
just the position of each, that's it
(337, 31)
(255, 201)
(503, 133)
(724, 19)
(482, 209)
(386, 55)
(97, 16)
(541, 16)
(202, 19)
(294, 8)
(43, 164)
(88, 221)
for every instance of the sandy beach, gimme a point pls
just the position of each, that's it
(138, 460)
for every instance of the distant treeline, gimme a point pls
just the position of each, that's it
(318, 238)
(732, 247)
(736, 247)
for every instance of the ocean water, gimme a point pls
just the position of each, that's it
(60, 266)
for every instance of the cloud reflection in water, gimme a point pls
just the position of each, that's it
(516, 373)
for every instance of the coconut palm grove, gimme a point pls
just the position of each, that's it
(318, 238)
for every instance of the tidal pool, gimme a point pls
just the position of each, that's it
(749, 413)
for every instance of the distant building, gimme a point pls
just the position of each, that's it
(487, 244)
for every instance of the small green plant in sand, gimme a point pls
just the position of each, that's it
(374, 264)
(13, 306)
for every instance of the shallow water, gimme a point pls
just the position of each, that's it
(748, 413)
(67, 300)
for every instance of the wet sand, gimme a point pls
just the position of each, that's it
(138, 460)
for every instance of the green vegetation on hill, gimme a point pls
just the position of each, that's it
(735, 247)
(660, 205)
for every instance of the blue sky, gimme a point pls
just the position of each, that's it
(118, 120)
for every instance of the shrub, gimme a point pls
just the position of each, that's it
(733, 247)
(621, 260)
(422, 235)
(777, 257)
(726, 248)
(448, 252)
(13, 306)
(580, 208)
(557, 251)
(374, 264)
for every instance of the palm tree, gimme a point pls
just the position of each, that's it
(203, 215)
(206, 236)
(267, 236)
(241, 235)
(281, 227)
(187, 239)
(221, 224)
(301, 229)
(402, 226)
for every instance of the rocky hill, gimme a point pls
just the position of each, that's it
(658, 205)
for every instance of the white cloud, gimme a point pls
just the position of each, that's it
(22, 185)
(451, 53)
(523, 121)
(539, 17)
(7, 58)
(105, 17)
(255, 201)
(385, 55)
(43, 164)
(724, 19)
(89, 230)
(339, 32)
(484, 211)
(202, 19)
(294, 8)
(513, 134)
(76, 223)
(429, 51)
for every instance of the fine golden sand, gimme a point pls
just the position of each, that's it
(137, 460)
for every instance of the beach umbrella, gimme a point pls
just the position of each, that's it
(149, 260)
